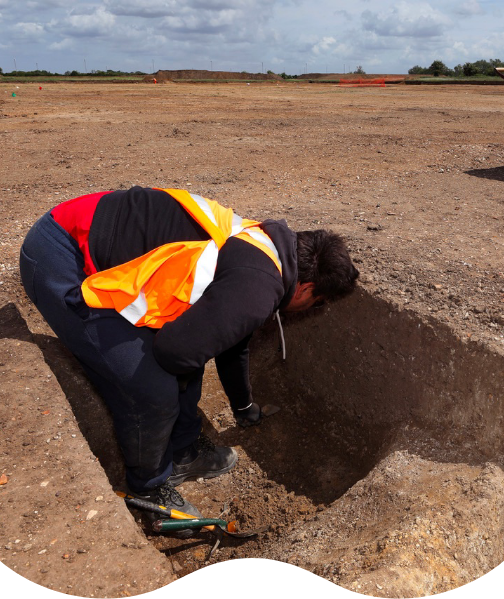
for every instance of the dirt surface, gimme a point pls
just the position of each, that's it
(413, 177)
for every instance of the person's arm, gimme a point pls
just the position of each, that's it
(235, 304)
(233, 370)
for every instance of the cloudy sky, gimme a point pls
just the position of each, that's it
(291, 36)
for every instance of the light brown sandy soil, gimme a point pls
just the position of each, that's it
(412, 176)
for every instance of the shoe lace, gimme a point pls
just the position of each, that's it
(168, 494)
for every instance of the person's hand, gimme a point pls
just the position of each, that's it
(249, 416)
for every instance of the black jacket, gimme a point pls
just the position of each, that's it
(247, 288)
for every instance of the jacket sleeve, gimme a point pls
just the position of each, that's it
(233, 370)
(219, 324)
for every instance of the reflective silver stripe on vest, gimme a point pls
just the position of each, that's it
(207, 262)
(265, 240)
(203, 204)
(205, 271)
(137, 309)
(236, 225)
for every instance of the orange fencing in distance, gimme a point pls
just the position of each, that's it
(362, 82)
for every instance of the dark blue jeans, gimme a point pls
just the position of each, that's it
(152, 418)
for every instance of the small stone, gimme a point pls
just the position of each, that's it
(91, 514)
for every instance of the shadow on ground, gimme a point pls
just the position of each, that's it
(495, 174)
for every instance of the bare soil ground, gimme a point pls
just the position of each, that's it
(412, 176)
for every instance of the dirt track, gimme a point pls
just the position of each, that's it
(413, 177)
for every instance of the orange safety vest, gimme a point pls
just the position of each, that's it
(159, 286)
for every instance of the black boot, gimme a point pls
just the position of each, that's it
(167, 496)
(248, 416)
(202, 459)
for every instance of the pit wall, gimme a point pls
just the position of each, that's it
(400, 424)
(375, 370)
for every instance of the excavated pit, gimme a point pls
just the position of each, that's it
(395, 423)
(363, 377)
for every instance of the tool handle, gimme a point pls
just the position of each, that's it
(152, 507)
(146, 505)
(181, 515)
(160, 510)
(228, 526)
(175, 525)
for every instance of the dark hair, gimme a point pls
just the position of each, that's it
(323, 260)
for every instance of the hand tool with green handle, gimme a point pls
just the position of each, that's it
(228, 528)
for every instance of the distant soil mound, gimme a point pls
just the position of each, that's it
(195, 75)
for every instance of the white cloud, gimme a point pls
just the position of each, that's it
(459, 48)
(242, 21)
(86, 22)
(36, 5)
(488, 47)
(469, 8)
(28, 31)
(64, 44)
(323, 45)
(148, 9)
(407, 19)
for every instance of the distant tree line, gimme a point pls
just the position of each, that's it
(358, 71)
(107, 73)
(469, 69)
(43, 73)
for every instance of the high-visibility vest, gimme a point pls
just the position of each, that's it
(159, 286)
